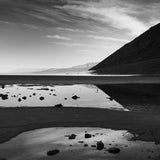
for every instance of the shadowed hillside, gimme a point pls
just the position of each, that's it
(140, 56)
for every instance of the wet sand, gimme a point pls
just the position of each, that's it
(145, 126)
(79, 79)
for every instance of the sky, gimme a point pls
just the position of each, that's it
(65, 33)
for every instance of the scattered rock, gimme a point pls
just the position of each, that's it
(30, 88)
(65, 98)
(87, 135)
(75, 97)
(3, 86)
(53, 152)
(24, 97)
(34, 94)
(58, 105)
(72, 136)
(113, 150)
(100, 145)
(41, 98)
(19, 99)
(85, 145)
(111, 99)
(45, 89)
(4, 96)
(54, 95)
(80, 142)
(93, 146)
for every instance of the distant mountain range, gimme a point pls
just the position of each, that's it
(140, 56)
(80, 69)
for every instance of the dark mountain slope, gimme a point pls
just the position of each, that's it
(141, 56)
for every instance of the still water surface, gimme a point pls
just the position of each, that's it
(67, 95)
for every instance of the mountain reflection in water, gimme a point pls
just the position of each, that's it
(134, 96)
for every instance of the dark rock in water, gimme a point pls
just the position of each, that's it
(30, 88)
(80, 142)
(54, 95)
(65, 98)
(4, 96)
(72, 136)
(3, 86)
(34, 94)
(19, 99)
(113, 150)
(24, 97)
(87, 135)
(41, 98)
(93, 146)
(100, 145)
(45, 89)
(53, 152)
(85, 145)
(75, 97)
(58, 105)
(111, 99)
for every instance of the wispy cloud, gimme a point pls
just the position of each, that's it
(59, 37)
(69, 29)
(85, 50)
(116, 16)
(71, 44)
(108, 38)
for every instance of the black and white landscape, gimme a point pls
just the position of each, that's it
(79, 79)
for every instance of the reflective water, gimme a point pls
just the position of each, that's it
(67, 95)
(34, 145)
(144, 97)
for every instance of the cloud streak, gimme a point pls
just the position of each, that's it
(115, 16)
(59, 37)
(107, 38)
